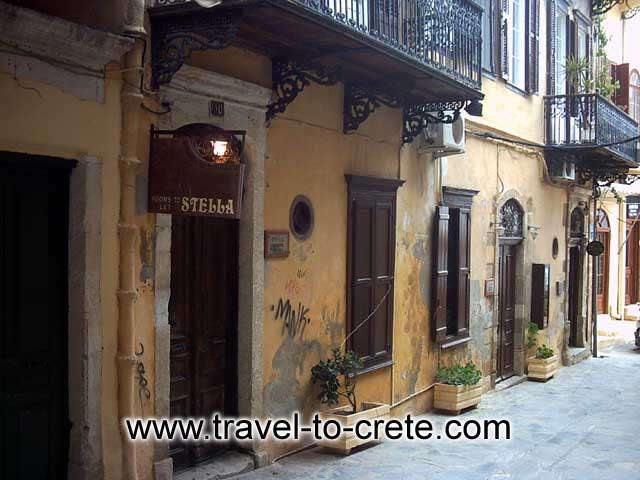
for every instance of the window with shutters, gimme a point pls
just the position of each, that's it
(520, 43)
(370, 267)
(557, 46)
(488, 35)
(452, 267)
(634, 95)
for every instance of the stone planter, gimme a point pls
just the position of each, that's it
(454, 398)
(542, 369)
(348, 440)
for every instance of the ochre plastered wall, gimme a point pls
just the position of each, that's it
(40, 119)
(498, 170)
(308, 154)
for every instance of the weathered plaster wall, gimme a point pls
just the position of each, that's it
(501, 172)
(309, 155)
(40, 119)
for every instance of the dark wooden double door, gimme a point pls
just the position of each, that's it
(506, 318)
(631, 270)
(34, 425)
(203, 317)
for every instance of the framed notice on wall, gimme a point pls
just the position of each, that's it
(276, 243)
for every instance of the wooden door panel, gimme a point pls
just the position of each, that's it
(507, 312)
(203, 317)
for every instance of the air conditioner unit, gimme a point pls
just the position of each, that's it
(562, 170)
(444, 138)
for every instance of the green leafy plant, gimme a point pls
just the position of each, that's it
(603, 82)
(544, 352)
(327, 374)
(578, 73)
(458, 374)
(532, 334)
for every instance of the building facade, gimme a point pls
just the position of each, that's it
(358, 201)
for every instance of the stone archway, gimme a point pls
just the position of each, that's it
(512, 239)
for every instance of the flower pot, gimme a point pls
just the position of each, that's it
(348, 440)
(542, 369)
(454, 398)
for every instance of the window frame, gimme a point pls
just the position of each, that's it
(522, 35)
(377, 190)
(634, 93)
(453, 200)
(489, 38)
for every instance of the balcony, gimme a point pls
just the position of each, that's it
(416, 51)
(585, 126)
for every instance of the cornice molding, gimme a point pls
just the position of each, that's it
(212, 85)
(48, 37)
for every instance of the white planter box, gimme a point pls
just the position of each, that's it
(542, 369)
(348, 440)
(454, 398)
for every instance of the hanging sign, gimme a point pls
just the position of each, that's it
(595, 248)
(196, 171)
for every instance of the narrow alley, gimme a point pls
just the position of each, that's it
(582, 425)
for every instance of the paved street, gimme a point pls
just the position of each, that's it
(583, 425)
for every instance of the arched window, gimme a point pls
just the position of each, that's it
(603, 221)
(577, 223)
(634, 95)
(511, 218)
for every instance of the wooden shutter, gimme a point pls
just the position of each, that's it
(361, 264)
(441, 246)
(504, 39)
(621, 96)
(462, 218)
(383, 270)
(551, 47)
(371, 266)
(533, 47)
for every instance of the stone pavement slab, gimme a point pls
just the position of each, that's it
(582, 425)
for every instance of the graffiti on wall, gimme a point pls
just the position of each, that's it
(294, 321)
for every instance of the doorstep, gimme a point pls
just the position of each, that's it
(509, 382)
(227, 465)
(577, 354)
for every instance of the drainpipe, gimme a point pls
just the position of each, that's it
(594, 277)
(131, 99)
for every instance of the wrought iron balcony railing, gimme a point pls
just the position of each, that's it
(590, 120)
(442, 34)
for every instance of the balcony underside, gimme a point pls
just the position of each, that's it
(592, 157)
(290, 30)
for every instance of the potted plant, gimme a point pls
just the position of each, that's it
(336, 380)
(458, 387)
(544, 365)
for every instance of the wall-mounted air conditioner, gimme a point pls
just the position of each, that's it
(562, 170)
(444, 138)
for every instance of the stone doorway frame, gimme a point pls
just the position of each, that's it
(577, 199)
(189, 94)
(522, 284)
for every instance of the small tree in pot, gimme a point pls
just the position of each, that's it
(335, 379)
(327, 373)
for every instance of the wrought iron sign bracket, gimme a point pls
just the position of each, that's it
(359, 104)
(600, 7)
(605, 177)
(417, 117)
(290, 79)
(632, 12)
(176, 37)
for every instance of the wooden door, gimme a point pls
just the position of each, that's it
(203, 317)
(507, 281)
(602, 274)
(575, 293)
(631, 265)
(34, 425)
